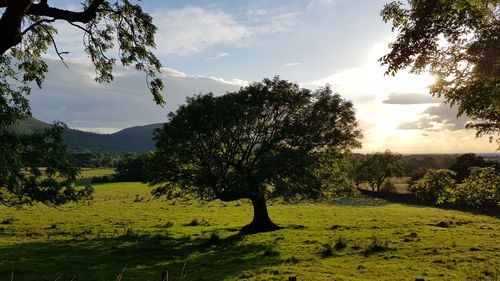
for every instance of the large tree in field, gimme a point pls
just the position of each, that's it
(260, 142)
(457, 41)
(26, 34)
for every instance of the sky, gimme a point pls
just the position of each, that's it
(220, 46)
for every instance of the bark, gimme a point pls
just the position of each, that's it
(10, 23)
(261, 221)
(16, 10)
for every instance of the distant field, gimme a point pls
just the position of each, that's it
(86, 174)
(125, 229)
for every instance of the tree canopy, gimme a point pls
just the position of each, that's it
(456, 41)
(26, 34)
(260, 142)
(377, 167)
(464, 162)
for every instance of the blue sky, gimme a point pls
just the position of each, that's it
(218, 46)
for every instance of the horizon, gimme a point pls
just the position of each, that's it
(496, 153)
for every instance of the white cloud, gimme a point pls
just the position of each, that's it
(290, 64)
(219, 56)
(323, 3)
(193, 29)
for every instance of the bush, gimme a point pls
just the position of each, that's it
(388, 187)
(481, 189)
(418, 174)
(103, 179)
(437, 186)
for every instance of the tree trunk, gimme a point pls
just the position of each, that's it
(261, 221)
(10, 23)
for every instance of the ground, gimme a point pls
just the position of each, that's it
(125, 233)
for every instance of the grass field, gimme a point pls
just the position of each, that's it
(124, 231)
(86, 174)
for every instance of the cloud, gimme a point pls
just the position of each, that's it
(437, 118)
(218, 56)
(193, 29)
(323, 3)
(410, 98)
(72, 96)
(290, 64)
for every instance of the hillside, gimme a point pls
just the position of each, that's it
(135, 139)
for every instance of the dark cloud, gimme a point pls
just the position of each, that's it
(435, 118)
(410, 98)
(72, 96)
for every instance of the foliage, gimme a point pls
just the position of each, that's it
(457, 41)
(98, 159)
(481, 189)
(437, 186)
(27, 30)
(22, 180)
(375, 168)
(333, 170)
(130, 169)
(466, 161)
(260, 142)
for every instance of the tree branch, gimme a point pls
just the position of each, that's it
(85, 16)
(36, 24)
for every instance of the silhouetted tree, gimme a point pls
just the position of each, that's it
(130, 169)
(26, 33)
(260, 142)
(466, 161)
(457, 41)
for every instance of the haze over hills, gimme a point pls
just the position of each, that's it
(137, 139)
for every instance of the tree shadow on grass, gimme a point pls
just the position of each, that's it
(140, 257)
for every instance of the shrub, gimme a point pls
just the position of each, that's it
(388, 187)
(481, 189)
(436, 186)
(418, 174)
(103, 179)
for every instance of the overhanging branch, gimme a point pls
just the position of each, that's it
(84, 16)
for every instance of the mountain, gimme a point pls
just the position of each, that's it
(137, 139)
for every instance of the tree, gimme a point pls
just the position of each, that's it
(481, 189)
(437, 186)
(457, 41)
(375, 168)
(26, 33)
(21, 181)
(261, 142)
(464, 162)
(130, 168)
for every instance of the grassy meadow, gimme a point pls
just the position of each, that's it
(125, 234)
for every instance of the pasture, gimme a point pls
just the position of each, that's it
(125, 234)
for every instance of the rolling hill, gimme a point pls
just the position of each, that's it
(137, 139)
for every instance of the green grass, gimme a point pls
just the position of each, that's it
(125, 229)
